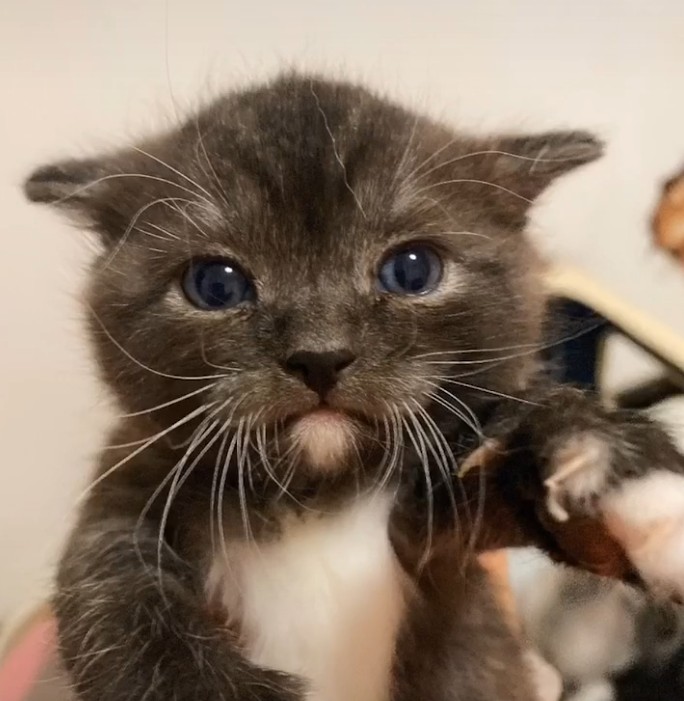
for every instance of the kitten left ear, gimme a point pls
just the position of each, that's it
(526, 165)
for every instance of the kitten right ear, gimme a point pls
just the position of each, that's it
(82, 189)
(67, 183)
(517, 169)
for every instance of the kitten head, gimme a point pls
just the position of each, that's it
(309, 256)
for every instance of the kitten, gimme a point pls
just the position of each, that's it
(308, 304)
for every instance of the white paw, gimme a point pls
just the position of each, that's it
(646, 516)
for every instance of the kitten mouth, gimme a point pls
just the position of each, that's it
(324, 435)
(326, 413)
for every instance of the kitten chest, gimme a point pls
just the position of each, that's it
(324, 601)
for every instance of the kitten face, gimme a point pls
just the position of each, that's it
(316, 258)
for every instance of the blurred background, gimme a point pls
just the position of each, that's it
(77, 75)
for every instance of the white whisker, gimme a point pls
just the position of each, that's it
(477, 234)
(145, 232)
(431, 157)
(132, 225)
(242, 449)
(474, 181)
(171, 402)
(446, 462)
(154, 439)
(406, 154)
(166, 232)
(486, 390)
(224, 474)
(200, 144)
(181, 478)
(222, 486)
(336, 153)
(419, 446)
(203, 351)
(270, 471)
(474, 422)
(114, 176)
(531, 348)
(450, 408)
(147, 367)
(186, 216)
(390, 455)
(210, 197)
(170, 475)
(494, 152)
(214, 482)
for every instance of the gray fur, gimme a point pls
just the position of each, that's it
(307, 184)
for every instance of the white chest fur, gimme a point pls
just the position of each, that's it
(324, 601)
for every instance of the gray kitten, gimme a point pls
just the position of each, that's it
(312, 305)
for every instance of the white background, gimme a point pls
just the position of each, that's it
(76, 75)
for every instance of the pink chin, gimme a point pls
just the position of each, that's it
(325, 436)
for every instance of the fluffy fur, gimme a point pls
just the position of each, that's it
(326, 438)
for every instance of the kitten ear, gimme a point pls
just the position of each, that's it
(522, 167)
(68, 183)
(536, 161)
(82, 189)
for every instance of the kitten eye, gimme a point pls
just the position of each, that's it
(415, 270)
(216, 284)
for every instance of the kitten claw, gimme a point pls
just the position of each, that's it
(580, 469)
(480, 457)
(554, 507)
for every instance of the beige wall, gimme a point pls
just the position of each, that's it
(80, 73)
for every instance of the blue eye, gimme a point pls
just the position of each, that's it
(216, 284)
(411, 271)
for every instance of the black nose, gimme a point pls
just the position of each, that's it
(319, 371)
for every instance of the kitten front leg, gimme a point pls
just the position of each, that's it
(597, 488)
(454, 644)
(129, 632)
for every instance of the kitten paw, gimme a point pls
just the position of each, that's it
(579, 471)
(644, 514)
